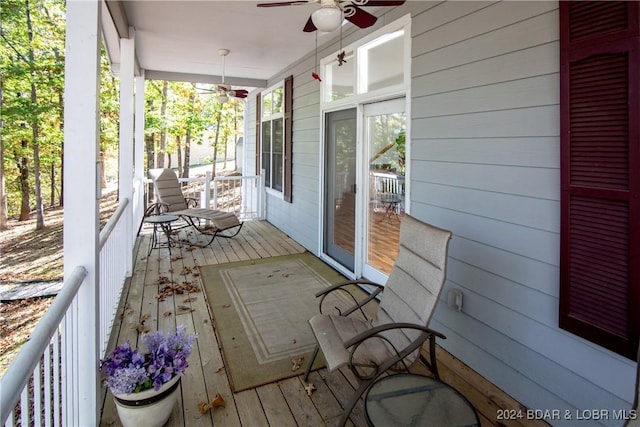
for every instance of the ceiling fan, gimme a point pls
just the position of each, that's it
(329, 16)
(224, 90)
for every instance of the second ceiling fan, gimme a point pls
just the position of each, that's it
(224, 90)
(329, 16)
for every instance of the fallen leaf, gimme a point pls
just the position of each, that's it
(220, 369)
(293, 341)
(166, 313)
(217, 402)
(190, 299)
(309, 388)
(145, 316)
(185, 308)
(297, 363)
(226, 305)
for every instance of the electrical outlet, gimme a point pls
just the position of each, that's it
(454, 299)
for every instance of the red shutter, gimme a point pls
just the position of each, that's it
(600, 164)
(288, 138)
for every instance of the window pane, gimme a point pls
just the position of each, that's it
(384, 61)
(340, 78)
(266, 152)
(278, 96)
(267, 102)
(278, 155)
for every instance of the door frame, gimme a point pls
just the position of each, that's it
(361, 186)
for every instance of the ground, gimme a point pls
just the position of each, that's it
(28, 255)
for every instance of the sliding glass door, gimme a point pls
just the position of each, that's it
(340, 187)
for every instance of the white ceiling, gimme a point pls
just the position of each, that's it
(180, 36)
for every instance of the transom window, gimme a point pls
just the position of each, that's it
(378, 63)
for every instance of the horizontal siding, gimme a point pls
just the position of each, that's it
(485, 164)
(540, 152)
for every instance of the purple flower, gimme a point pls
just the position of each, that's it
(129, 371)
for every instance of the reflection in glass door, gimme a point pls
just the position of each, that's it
(340, 187)
(385, 132)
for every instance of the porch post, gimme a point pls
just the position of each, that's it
(81, 220)
(138, 154)
(125, 169)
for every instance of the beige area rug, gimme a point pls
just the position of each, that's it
(261, 310)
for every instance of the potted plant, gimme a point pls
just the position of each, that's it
(145, 385)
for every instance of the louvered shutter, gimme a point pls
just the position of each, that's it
(288, 138)
(600, 173)
(258, 134)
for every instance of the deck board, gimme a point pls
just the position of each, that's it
(284, 403)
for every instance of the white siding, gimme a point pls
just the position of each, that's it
(485, 164)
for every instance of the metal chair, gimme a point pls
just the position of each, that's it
(170, 200)
(392, 339)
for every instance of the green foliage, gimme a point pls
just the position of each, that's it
(192, 117)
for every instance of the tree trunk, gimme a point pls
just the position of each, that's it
(163, 135)
(23, 167)
(34, 127)
(215, 141)
(187, 139)
(3, 195)
(179, 154)
(52, 188)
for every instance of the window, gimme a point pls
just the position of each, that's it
(378, 63)
(600, 173)
(274, 131)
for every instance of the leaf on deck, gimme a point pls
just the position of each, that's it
(217, 402)
(297, 363)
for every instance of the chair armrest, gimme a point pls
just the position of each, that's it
(157, 208)
(357, 304)
(191, 202)
(369, 333)
(400, 354)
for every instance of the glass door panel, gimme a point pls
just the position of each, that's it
(340, 187)
(385, 145)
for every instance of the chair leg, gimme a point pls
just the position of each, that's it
(310, 365)
(354, 399)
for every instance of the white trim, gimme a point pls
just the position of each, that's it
(359, 100)
(80, 403)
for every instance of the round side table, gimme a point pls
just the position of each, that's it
(161, 223)
(416, 400)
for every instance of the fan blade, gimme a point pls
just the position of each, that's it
(361, 17)
(309, 27)
(239, 93)
(384, 3)
(283, 3)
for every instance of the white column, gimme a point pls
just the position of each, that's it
(138, 153)
(81, 219)
(125, 170)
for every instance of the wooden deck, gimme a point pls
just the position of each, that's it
(284, 403)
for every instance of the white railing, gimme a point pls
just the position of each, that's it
(41, 364)
(113, 269)
(385, 185)
(43, 380)
(243, 195)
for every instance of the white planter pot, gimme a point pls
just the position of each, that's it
(148, 408)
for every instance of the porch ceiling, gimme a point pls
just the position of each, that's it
(179, 39)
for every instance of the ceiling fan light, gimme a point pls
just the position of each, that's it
(222, 99)
(327, 19)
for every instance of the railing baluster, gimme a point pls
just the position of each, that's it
(37, 395)
(47, 386)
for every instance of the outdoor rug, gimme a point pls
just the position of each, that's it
(261, 310)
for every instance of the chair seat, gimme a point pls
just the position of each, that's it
(221, 220)
(332, 332)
